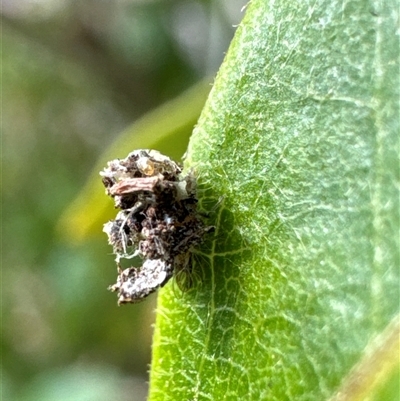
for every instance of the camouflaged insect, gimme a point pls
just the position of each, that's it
(157, 221)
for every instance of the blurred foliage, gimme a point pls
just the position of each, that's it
(75, 75)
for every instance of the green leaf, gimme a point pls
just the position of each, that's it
(300, 138)
(167, 129)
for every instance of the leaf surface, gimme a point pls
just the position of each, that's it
(299, 137)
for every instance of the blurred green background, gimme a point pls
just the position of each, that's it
(75, 75)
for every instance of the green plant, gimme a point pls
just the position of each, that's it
(296, 153)
(299, 137)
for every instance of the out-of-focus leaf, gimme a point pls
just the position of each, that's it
(166, 129)
(300, 137)
(374, 375)
(81, 383)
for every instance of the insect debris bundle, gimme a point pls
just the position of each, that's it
(158, 221)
